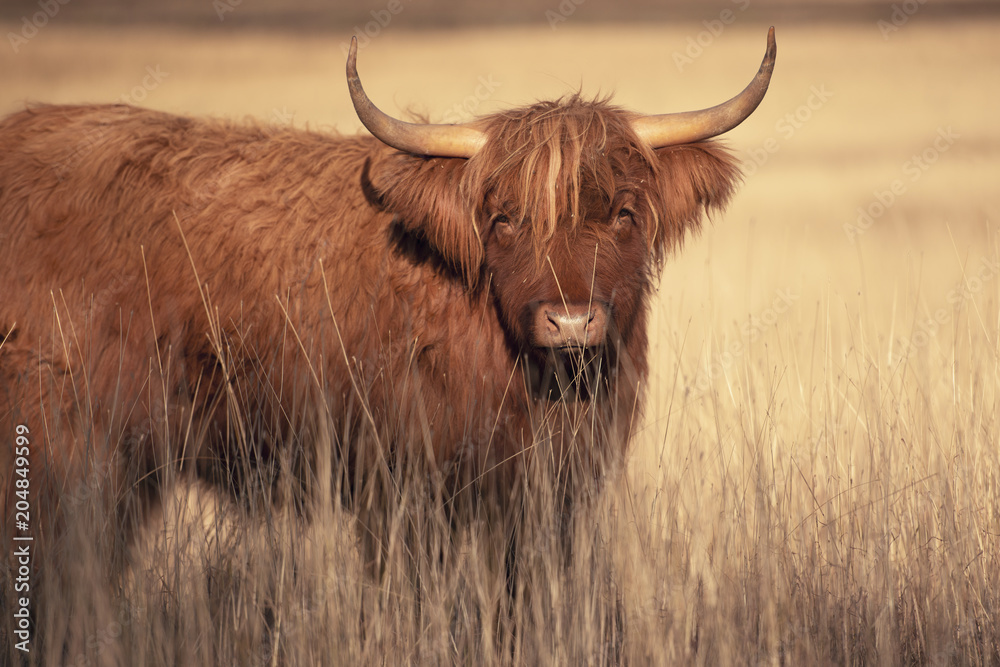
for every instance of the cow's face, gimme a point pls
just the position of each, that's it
(563, 215)
(571, 289)
(568, 226)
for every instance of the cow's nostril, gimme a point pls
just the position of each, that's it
(572, 325)
(553, 320)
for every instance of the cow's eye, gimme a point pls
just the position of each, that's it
(625, 217)
(502, 224)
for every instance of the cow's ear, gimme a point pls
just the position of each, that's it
(425, 194)
(695, 180)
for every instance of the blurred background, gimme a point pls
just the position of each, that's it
(334, 14)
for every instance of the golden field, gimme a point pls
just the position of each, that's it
(816, 479)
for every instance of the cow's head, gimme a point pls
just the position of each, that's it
(563, 209)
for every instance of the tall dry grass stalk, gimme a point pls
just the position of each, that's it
(825, 492)
(831, 496)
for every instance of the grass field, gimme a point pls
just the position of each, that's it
(817, 478)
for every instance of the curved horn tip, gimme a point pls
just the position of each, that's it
(461, 141)
(772, 48)
(352, 57)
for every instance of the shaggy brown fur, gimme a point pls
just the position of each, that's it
(164, 275)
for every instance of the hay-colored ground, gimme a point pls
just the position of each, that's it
(796, 448)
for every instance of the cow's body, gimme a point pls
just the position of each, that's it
(174, 287)
(149, 242)
(106, 246)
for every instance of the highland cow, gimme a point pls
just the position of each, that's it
(176, 289)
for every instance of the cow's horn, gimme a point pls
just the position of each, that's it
(681, 128)
(421, 139)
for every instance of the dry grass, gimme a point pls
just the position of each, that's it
(808, 487)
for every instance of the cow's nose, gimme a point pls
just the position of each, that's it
(570, 325)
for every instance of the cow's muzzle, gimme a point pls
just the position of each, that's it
(570, 325)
